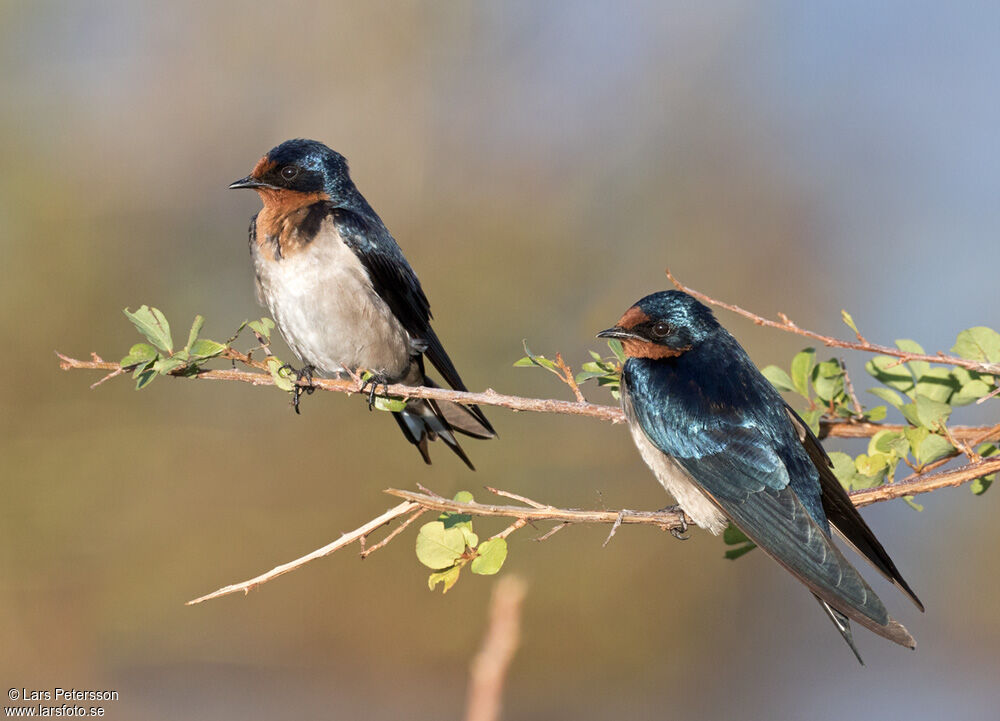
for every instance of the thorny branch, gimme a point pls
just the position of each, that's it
(416, 503)
(832, 428)
(862, 344)
(923, 480)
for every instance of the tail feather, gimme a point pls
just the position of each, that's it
(843, 625)
(424, 420)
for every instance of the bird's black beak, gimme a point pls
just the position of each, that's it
(247, 182)
(620, 333)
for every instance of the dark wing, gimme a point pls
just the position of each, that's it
(736, 465)
(842, 513)
(397, 284)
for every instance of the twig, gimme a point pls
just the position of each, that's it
(859, 412)
(489, 668)
(519, 523)
(832, 428)
(345, 540)
(569, 378)
(614, 528)
(515, 497)
(365, 553)
(786, 324)
(925, 483)
(668, 520)
(551, 532)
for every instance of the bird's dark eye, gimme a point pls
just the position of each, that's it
(289, 172)
(661, 329)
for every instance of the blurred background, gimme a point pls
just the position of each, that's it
(540, 164)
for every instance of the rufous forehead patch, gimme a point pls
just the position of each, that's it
(263, 166)
(633, 317)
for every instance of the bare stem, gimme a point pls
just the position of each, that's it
(786, 324)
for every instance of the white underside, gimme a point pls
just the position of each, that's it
(673, 478)
(327, 311)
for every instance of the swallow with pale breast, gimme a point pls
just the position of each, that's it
(341, 292)
(723, 442)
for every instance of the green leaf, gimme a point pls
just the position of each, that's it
(802, 365)
(463, 497)
(778, 378)
(152, 324)
(812, 419)
(733, 536)
(447, 577)
(938, 384)
(873, 466)
(144, 378)
(876, 414)
(979, 343)
(195, 330)
(918, 368)
(616, 347)
(491, 555)
(849, 321)
(163, 366)
(540, 360)
(523, 362)
(203, 349)
(140, 354)
(913, 504)
(886, 441)
(264, 326)
(828, 380)
(969, 393)
(931, 412)
(980, 485)
(932, 448)
(891, 372)
(733, 553)
(888, 395)
(393, 405)
(843, 468)
(282, 376)
(439, 547)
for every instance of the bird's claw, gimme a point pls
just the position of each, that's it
(677, 533)
(372, 382)
(305, 372)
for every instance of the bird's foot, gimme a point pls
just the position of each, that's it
(372, 382)
(677, 533)
(305, 372)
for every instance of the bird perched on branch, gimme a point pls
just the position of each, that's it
(341, 292)
(722, 441)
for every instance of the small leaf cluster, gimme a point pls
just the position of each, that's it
(924, 394)
(449, 544)
(822, 385)
(158, 357)
(606, 370)
(741, 545)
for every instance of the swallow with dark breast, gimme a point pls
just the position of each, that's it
(341, 292)
(721, 440)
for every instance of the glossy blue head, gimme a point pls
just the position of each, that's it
(663, 325)
(302, 166)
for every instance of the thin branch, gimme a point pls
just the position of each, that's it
(489, 668)
(345, 540)
(829, 428)
(786, 324)
(858, 410)
(925, 483)
(667, 520)
(569, 378)
(365, 553)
